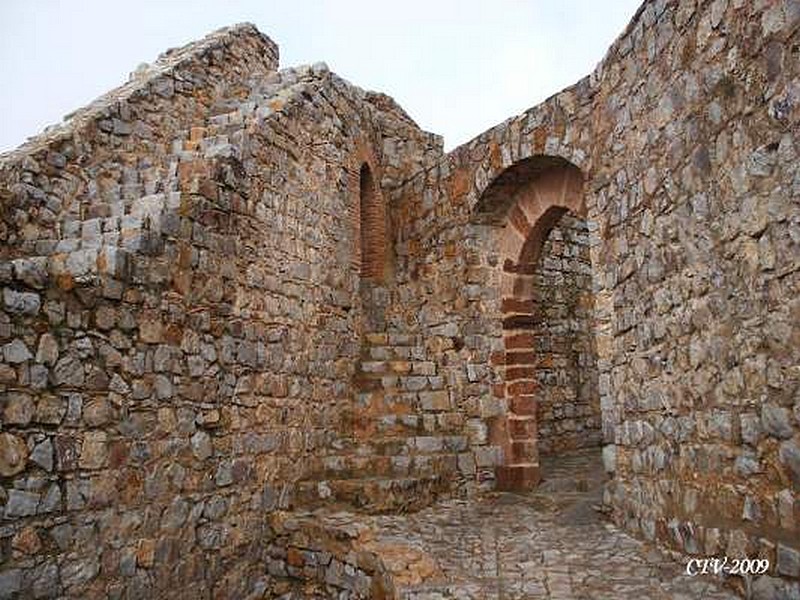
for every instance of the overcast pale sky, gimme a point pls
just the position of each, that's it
(457, 66)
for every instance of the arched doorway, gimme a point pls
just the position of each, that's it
(548, 367)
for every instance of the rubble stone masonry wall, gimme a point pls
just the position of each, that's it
(565, 366)
(685, 138)
(207, 318)
(180, 319)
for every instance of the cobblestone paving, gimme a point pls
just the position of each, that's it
(551, 544)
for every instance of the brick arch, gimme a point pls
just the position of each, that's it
(372, 226)
(523, 204)
(371, 254)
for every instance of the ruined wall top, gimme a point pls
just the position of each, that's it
(244, 48)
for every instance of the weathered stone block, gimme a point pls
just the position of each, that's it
(19, 408)
(789, 455)
(68, 372)
(776, 421)
(13, 454)
(202, 447)
(16, 352)
(788, 561)
(50, 410)
(42, 454)
(21, 504)
(22, 303)
(94, 450)
(435, 401)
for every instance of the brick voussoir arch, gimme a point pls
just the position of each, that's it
(522, 203)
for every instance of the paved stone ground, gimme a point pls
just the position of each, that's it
(551, 544)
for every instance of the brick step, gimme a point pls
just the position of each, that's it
(522, 428)
(523, 450)
(374, 494)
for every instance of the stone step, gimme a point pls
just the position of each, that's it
(569, 484)
(414, 425)
(325, 554)
(355, 466)
(397, 383)
(374, 494)
(518, 477)
(335, 553)
(560, 475)
(402, 353)
(392, 401)
(402, 445)
(396, 366)
(392, 339)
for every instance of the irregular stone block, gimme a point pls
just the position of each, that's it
(22, 303)
(435, 401)
(21, 504)
(50, 410)
(202, 447)
(776, 421)
(13, 454)
(16, 352)
(19, 408)
(789, 454)
(10, 582)
(788, 561)
(32, 271)
(68, 372)
(94, 450)
(42, 454)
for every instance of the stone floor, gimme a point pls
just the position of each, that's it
(551, 544)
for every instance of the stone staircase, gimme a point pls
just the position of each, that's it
(398, 449)
(401, 450)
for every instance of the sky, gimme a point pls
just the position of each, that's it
(457, 67)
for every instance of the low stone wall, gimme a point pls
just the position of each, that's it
(322, 556)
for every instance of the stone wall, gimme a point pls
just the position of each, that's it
(565, 367)
(181, 320)
(188, 344)
(701, 264)
(684, 136)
